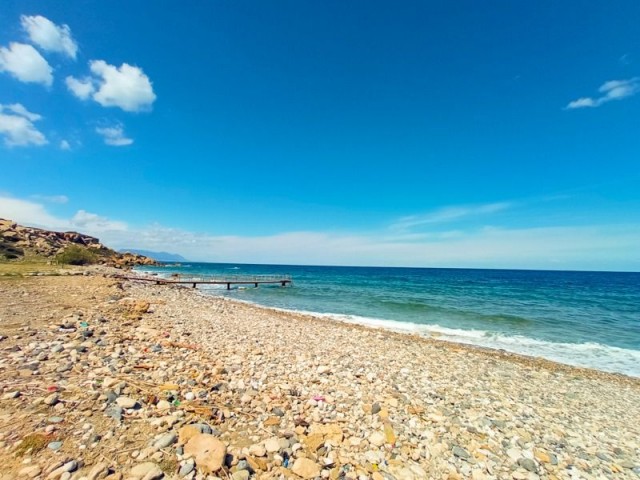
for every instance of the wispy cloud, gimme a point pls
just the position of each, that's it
(60, 199)
(36, 214)
(561, 247)
(611, 90)
(96, 223)
(449, 214)
(114, 136)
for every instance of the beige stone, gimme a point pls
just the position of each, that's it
(186, 433)
(305, 468)
(313, 441)
(208, 452)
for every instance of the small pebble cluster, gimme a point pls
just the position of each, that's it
(105, 379)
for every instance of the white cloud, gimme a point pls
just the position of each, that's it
(582, 102)
(126, 87)
(611, 90)
(65, 145)
(95, 223)
(590, 247)
(81, 88)
(60, 199)
(569, 247)
(449, 214)
(25, 63)
(19, 109)
(114, 136)
(16, 125)
(49, 36)
(27, 212)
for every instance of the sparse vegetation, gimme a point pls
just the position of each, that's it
(169, 465)
(22, 268)
(76, 255)
(32, 443)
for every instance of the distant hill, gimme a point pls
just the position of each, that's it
(158, 256)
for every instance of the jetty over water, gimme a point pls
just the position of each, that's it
(227, 280)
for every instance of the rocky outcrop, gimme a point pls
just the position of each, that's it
(18, 241)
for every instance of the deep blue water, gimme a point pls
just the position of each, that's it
(581, 318)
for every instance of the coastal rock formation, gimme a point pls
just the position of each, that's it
(18, 241)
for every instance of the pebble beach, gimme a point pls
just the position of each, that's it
(104, 378)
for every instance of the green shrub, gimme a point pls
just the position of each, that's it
(76, 255)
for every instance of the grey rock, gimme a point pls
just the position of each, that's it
(528, 464)
(55, 446)
(115, 412)
(111, 396)
(64, 368)
(204, 428)
(499, 424)
(626, 463)
(186, 468)
(166, 440)
(375, 408)
(460, 453)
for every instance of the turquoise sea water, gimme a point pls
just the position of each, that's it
(589, 319)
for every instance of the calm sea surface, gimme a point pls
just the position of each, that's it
(587, 319)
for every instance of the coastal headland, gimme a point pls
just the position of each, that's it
(107, 378)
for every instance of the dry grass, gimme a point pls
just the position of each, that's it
(32, 443)
(169, 465)
(26, 268)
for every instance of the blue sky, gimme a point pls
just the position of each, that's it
(495, 134)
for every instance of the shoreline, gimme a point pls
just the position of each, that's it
(506, 354)
(579, 353)
(287, 395)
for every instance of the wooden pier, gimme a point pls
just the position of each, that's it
(255, 280)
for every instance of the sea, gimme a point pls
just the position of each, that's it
(586, 319)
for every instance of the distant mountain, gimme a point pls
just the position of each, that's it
(159, 256)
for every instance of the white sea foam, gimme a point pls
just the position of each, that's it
(590, 355)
